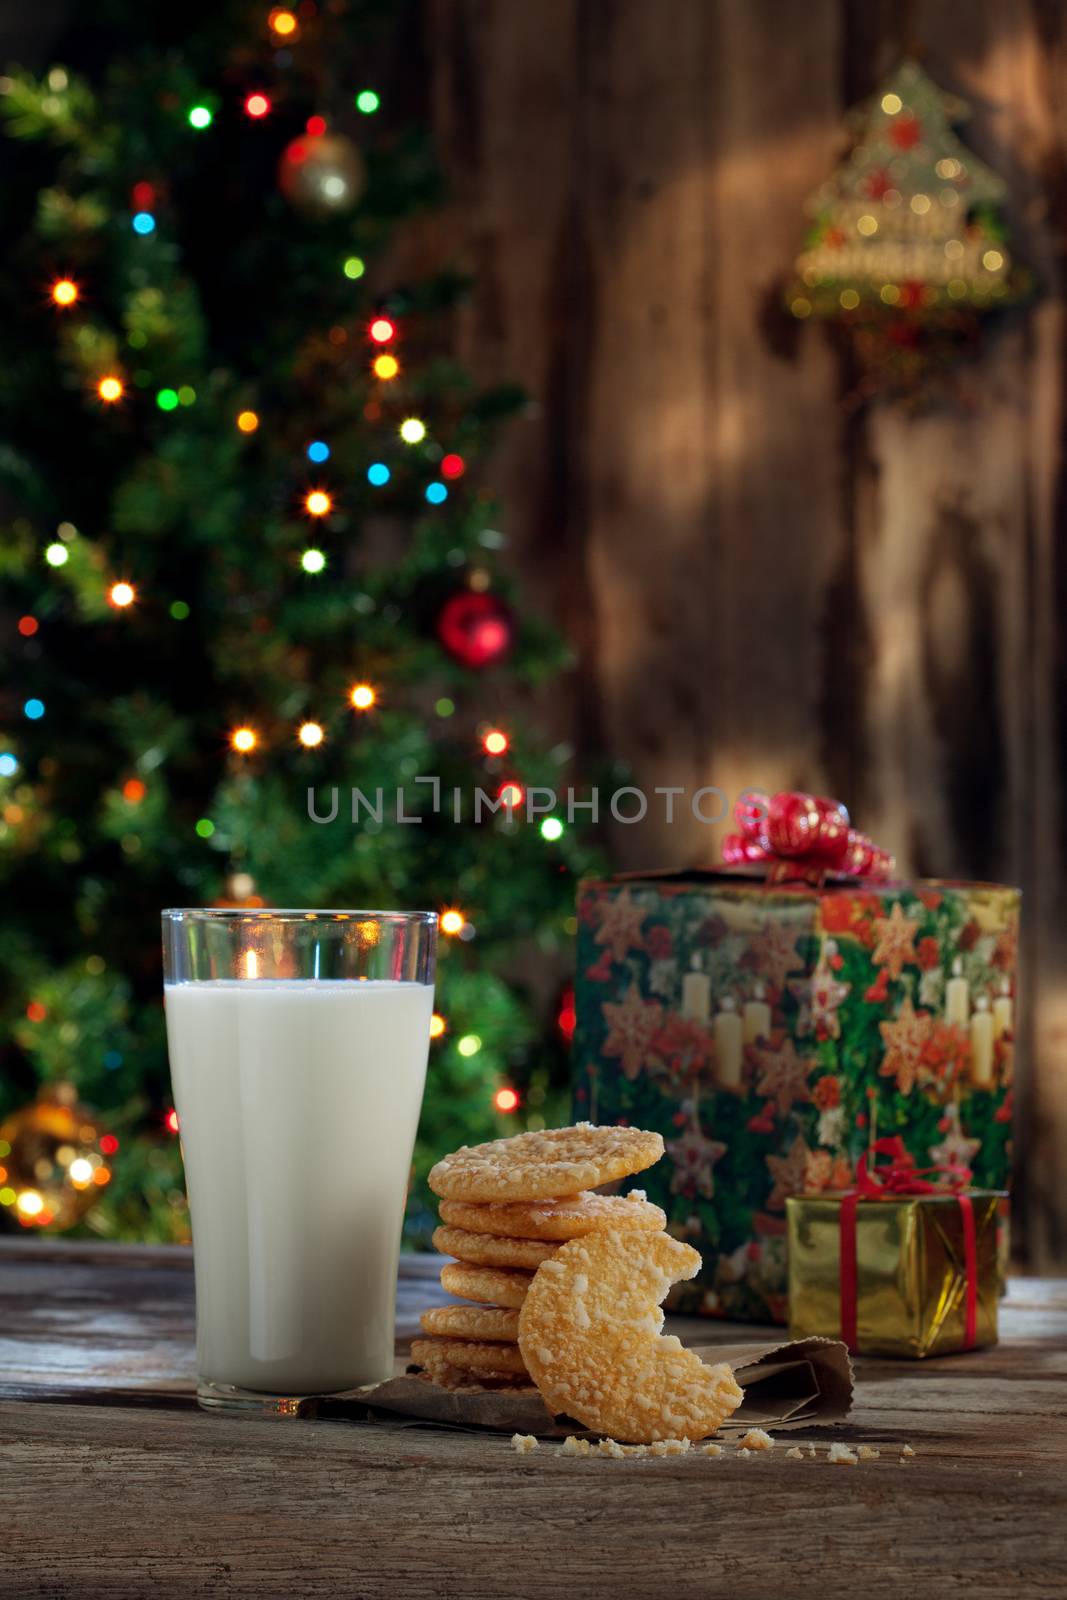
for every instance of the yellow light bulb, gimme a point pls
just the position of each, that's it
(386, 367)
(437, 1025)
(110, 389)
(247, 421)
(310, 734)
(412, 431)
(318, 503)
(30, 1203)
(452, 921)
(122, 595)
(64, 291)
(362, 697)
(244, 739)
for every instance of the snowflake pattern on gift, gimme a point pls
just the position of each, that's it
(631, 1025)
(693, 1156)
(821, 996)
(619, 924)
(905, 1038)
(783, 1076)
(894, 941)
(955, 1149)
(776, 952)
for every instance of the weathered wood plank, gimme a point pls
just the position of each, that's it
(199, 1506)
(110, 1499)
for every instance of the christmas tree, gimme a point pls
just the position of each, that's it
(907, 246)
(247, 569)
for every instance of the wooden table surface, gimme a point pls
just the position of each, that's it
(113, 1483)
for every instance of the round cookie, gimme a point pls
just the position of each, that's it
(589, 1336)
(554, 1220)
(472, 1322)
(468, 1355)
(494, 1286)
(487, 1250)
(544, 1165)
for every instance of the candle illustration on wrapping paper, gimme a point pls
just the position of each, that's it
(1003, 1012)
(696, 993)
(728, 1044)
(957, 996)
(756, 1017)
(982, 1044)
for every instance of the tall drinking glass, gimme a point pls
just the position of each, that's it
(298, 1044)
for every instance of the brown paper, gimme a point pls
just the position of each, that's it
(802, 1383)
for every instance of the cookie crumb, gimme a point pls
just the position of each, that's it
(711, 1450)
(811, 1451)
(573, 1446)
(609, 1447)
(523, 1443)
(795, 1454)
(841, 1455)
(906, 1450)
(866, 1452)
(668, 1447)
(756, 1439)
(746, 1453)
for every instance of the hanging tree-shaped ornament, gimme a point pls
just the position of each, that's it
(907, 249)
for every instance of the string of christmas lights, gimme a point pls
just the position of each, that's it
(156, 391)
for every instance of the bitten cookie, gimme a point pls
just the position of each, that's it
(589, 1335)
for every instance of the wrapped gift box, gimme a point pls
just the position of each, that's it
(895, 1273)
(759, 1026)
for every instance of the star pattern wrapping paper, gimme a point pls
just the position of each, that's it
(854, 978)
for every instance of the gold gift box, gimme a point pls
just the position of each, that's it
(911, 1276)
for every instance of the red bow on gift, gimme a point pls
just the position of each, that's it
(900, 1178)
(802, 836)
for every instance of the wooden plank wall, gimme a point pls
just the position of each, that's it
(763, 586)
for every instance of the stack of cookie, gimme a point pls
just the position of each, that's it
(507, 1207)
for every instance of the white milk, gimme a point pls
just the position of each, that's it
(298, 1103)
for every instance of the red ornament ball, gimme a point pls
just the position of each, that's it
(476, 629)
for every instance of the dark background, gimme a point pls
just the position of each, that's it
(765, 585)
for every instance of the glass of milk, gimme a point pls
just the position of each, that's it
(298, 1044)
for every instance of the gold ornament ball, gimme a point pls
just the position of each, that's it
(322, 176)
(51, 1167)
